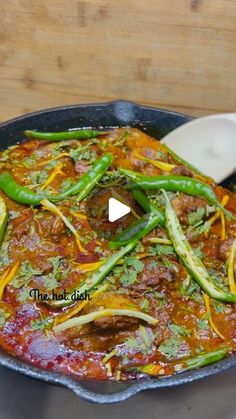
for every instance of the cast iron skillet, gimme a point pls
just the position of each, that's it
(156, 122)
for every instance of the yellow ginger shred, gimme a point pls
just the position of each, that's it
(7, 276)
(232, 257)
(159, 164)
(208, 310)
(118, 375)
(79, 215)
(219, 214)
(76, 309)
(47, 205)
(88, 267)
(108, 356)
(43, 163)
(56, 171)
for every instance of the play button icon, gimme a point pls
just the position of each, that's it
(116, 210)
(110, 210)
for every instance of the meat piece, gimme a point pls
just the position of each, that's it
(224, 249)
(185, 204)
(115, 323)
(182, 171)
(155, 275)
(21, 226)
(157, 232)
(111, 323)
(81, 167)
(57, 229)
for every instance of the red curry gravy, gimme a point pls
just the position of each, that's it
(151, 278)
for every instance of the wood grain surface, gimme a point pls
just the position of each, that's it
(177, 54)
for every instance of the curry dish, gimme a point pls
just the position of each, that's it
(151, 294)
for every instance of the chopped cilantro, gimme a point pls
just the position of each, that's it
(23, 294)
(59, 272)
(28, 162)
(83, 153)
(142, 342)
(170, 347)
(130, 269)
(179, 330)
(38, 177)
(66, 184)
(135, 263)
(25, 274)
(40, 324)
(161, 249)
(198, 252)
(144, 305)
(203, 324)
(219, 307)
(203, 228)
(3, 316)
(195, 217)
(189, 288)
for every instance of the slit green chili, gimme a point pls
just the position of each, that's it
(198, 361)
(3, 217)
(189, 259)
(142, 226)
(82, 187)
(17, 192)
(173, 183)
(77, 134)
(181, 161)
(97, 277)
(87, 181)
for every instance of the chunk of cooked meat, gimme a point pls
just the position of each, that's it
(224, 249)
(115, 323)
(58, 228)
(81, 167)
(185, 204)
(156, 275)
(182, 171)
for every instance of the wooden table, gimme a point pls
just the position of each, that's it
(177, 54)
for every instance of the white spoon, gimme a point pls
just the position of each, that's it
(209, 143)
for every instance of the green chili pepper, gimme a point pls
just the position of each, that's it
(141, 227)
(3, 217)
(136, 231)
(198, 361)
(206, 358)
(78, 134)
(85, 184)
(181, 161)
(97, 277)
(17, 192)
(184, 184)
(189, 259)
(147, 205)
(87, 181)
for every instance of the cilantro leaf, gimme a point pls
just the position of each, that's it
(161, 249)
(195, 217)
(135, 263)
(3, 316)
(142, 342)
(25, 274)
(40, 324)
(170, 347)
(179, 330)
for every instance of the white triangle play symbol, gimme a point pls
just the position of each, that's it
(116, 210)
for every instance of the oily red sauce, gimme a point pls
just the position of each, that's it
(37, 237)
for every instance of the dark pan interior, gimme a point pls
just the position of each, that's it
(156, 122)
